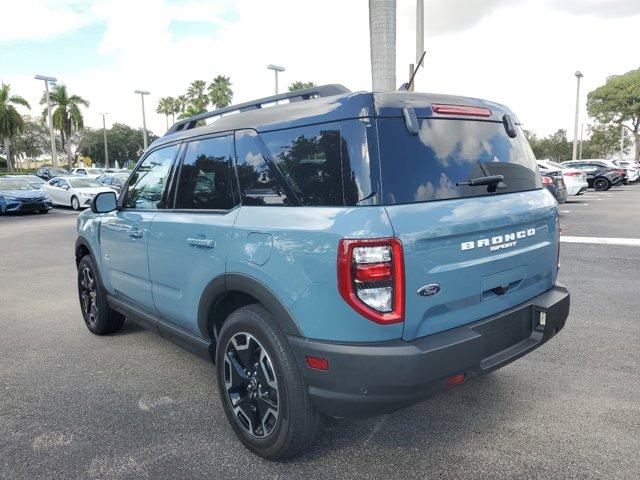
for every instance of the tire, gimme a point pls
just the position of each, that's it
(601, 184)
(75, 203)
(44, 211)
(99, 317)
(277, 383)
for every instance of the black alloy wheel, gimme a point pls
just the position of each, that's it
(88, 296)
(251, 385)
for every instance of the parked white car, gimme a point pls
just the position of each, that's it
(632, 168)
(76, 192)
(88, 172)
(575, 180)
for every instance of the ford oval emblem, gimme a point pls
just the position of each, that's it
(429, 290)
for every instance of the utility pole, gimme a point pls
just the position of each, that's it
(54, 156)
(276, 69)
(106, 148)
(382, 39)
(580, 149)
(142, 93)
(578, 75)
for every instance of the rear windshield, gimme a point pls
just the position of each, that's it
(431, 165)
(83, 183)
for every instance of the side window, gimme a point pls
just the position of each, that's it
(54, 182)
(309, 158)
(150, 179)
(258, 184)
(205, 180)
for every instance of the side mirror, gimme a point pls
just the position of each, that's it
(65, 187)
(104, 202)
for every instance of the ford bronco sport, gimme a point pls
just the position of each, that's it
(336, 254)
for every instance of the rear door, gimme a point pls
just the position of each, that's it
(469, 251)
(189, 242)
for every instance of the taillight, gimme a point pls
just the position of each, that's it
(547, 181)
(460, 110)
(572, 174)
(371, 278)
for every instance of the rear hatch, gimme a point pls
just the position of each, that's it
(469, 251)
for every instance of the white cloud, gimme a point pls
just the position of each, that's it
(520, 53)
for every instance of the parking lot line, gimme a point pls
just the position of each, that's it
(624, 242)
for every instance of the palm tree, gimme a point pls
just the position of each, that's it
(181, 104)
(165, 107)
(66, 115)
(196, 94)
(220, 91)
(11, 121)
(300, 86)
(191, 111)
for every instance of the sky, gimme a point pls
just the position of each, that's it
(522, 53)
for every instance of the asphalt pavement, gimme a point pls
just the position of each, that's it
(132, 405)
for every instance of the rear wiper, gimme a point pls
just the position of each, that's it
(492, 181)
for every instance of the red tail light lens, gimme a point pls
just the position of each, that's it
(572, 174)
(460, 110)
(371, 278)
(547, 181)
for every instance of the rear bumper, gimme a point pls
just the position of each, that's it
(370, 379)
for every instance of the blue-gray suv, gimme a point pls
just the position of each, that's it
(334, 253)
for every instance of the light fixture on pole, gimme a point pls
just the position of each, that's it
(52, 80)
(142, 93)
(578, 75)
(106, 148)
(276, 69)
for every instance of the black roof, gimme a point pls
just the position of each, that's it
(328, 103)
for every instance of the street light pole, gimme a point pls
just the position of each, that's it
(106, 148)
(54, 156)
(276, 69)
(578, 75)
(580, 149)
(142, 93)
(621, 141)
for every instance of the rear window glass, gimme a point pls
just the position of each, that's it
(431, 165)
(309, 159)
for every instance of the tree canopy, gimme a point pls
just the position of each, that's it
(125, 144)
(298, 85)
(618, 102)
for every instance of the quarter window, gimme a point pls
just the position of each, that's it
(309, 159)
(149, 181)
(205, 175)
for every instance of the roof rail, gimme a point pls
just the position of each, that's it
(296, 96)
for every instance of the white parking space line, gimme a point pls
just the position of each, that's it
(565, 211)
(622, 242)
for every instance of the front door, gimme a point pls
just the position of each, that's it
(124, 234)
(188, 244)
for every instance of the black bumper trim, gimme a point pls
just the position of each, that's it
(370, 379)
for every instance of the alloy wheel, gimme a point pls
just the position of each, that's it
(75, 203)
(88, 295)
(251, 385)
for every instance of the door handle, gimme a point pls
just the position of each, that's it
(135, 233)
(201, 242)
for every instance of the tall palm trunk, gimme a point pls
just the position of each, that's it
(166, 117)
(7, 150)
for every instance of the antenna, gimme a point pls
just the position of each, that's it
(405, 87)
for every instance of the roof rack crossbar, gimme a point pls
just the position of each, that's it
(296, 96)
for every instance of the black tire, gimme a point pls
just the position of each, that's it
(99, 317)
(44, 211)
(601, 184)
(297, 421)
(75, 203)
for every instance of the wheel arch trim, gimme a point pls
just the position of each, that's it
(238, 282)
